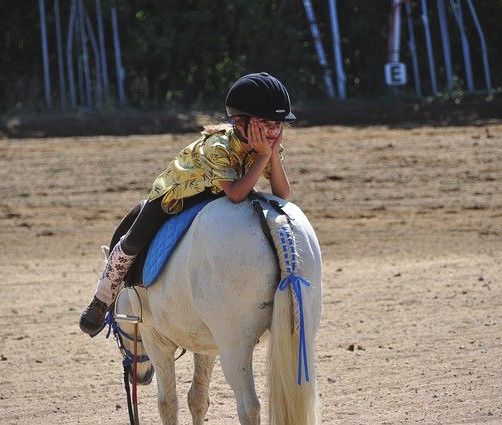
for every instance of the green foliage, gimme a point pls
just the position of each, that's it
(19, 48)
(186, 53)
(190, 52)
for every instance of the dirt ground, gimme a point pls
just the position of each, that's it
(410, 222)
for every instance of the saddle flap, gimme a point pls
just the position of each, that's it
(166, 240)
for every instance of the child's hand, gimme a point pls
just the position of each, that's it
(277, 143)
(257, 138)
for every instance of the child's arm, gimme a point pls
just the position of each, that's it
(279, 182)
(267, 152)
(238, 190)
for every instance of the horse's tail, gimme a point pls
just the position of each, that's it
(291, 368)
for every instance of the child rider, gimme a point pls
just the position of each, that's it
(226, 160)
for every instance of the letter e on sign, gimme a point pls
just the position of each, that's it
(395, 74)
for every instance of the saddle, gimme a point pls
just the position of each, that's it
(151, 260)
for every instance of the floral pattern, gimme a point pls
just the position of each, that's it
(115, 269)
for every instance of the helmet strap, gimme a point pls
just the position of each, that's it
(243, 139)
(247, 119)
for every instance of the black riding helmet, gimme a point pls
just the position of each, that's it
(259, 95)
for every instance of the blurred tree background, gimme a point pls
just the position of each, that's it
(182, 54)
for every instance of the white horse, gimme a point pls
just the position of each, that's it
(218, 294)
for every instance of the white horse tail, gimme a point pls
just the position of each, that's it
(291, 368)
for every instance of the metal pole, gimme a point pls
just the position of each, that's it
(413, 50)
(78, 45)
(45, 53)
(118, 60)
(396, 32)
(457, 12)
(62, 83)
(340, 75)
(446, 43)
(101, 37)
(483, 45)
(394, 36)
(69, 56)
(97, 62)
(314, 29)
(430, 53)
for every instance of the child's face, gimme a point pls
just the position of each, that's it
(271, 129)
(268, 125)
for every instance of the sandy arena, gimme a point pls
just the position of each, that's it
(410, 222)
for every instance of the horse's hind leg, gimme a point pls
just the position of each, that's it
(167, 397)
(237, 365)
(198, 395)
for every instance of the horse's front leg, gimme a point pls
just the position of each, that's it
(167, 398)
(198, 395)
(161, 353)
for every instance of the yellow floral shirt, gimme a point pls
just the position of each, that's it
(203, 164)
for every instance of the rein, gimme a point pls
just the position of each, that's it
(129, 358)
(255, 198)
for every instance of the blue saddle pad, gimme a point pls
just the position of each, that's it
(165, 241)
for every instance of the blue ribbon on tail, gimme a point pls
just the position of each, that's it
(296, 282)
